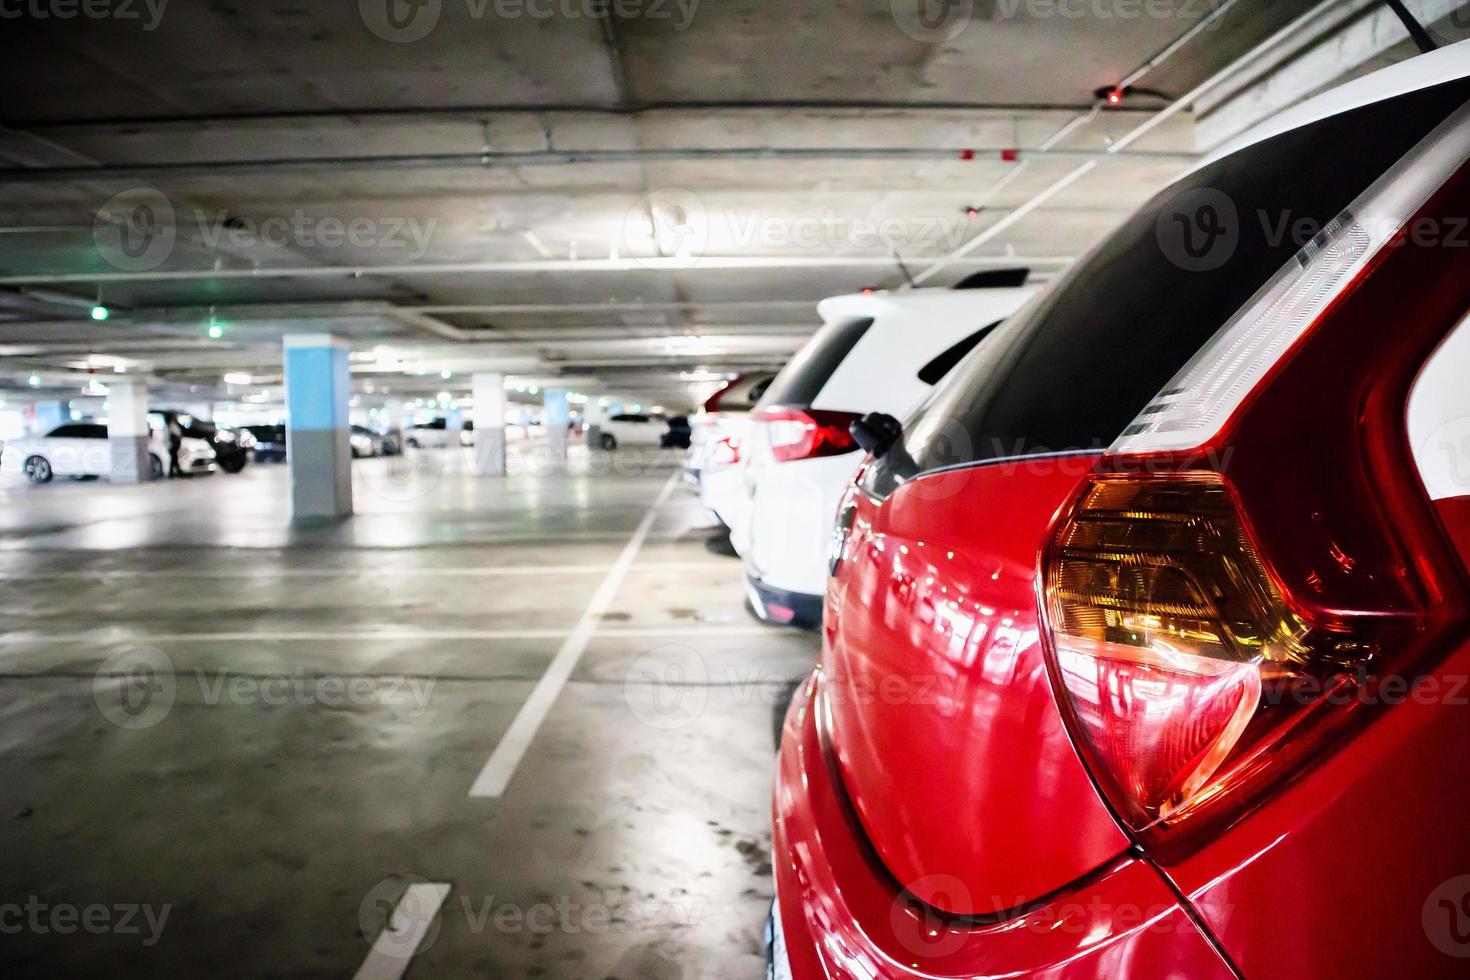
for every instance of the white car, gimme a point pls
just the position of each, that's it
(80, 449)
(716, 437)
(878, 352)
(630, 429)
(432, 435)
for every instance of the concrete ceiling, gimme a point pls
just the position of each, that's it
(625, 195)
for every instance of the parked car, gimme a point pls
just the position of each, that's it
(80, 450)
(1122, 626)
(718, 434)
(881, 352)
(367, 442)
(432, 435)
(270, 442)
(631, 429)
(676, 433)
(231, 448)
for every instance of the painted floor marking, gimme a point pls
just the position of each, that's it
(501, 766)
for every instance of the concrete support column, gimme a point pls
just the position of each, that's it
(46, 416)
(489, 390)
(594, 415)
(318, 447)
(557, 415)
(127, 432)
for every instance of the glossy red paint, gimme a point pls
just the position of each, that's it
(844, 919)
(943, 724)
(1343, 873)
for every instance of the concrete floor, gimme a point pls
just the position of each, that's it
(322, 699)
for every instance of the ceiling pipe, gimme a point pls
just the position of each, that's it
(611, 306)
(1117, 146)
(476, 113)
(652, 264)
(531, 158)
(1259, 51)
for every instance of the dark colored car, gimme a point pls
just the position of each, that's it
(270, 442)
(367, 442)
(676, 436)
(230, 450)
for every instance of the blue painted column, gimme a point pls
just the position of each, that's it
(48, 415)
(318, 450)
(558, 415)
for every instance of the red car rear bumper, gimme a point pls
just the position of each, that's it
(844, 917)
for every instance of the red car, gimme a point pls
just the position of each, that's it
(1147, 640)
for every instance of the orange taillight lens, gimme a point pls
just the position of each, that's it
(1175, 650)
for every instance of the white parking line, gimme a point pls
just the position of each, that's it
(501, 766)
(396, 945)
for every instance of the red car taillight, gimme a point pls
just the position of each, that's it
(1181, 659)
(1255, 562)
(797, 434)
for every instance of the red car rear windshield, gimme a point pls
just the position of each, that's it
(1074, 367)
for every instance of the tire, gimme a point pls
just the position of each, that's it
(609, 441)
(38, 469)
(413, 444)
(156, 469)
(233, 465)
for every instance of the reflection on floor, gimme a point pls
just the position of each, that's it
(230, 747)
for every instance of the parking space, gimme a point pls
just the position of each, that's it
(734, 489)
(257, 735)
